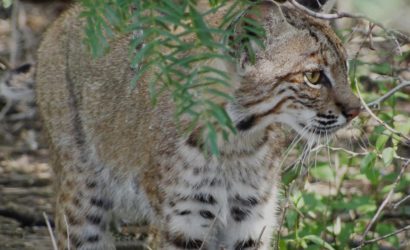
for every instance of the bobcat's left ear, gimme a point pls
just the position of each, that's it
(315, 5)
(250, 30)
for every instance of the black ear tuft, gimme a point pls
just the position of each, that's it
(315, 5)
(23, 68)
(248, 31)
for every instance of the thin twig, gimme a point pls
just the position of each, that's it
(325, 15)
(376, 103)
(68, 232)
(339, 15)
(364, 105)
(15, 41)
(383, 237)
(282, 221)
(50, 231)
(383, 205)
(260, 238)
(209, 232)
(397, 204)
(354, 154)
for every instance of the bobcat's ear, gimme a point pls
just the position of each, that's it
(23, 69)
(315, 5)
(250, 30)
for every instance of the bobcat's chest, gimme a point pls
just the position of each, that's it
(247, 175)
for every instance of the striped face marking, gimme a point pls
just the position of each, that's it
(300, 80)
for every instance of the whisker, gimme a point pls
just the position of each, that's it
(295, 141)
(317, 151)
(328, 151)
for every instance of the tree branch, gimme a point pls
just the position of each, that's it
(325, 16)
(381, 207)
(376, 103)
(382, 237)
(338, 15)
(364, 105)
(354, 154)
(397, 204)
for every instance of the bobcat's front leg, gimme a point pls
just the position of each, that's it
(251, 224)
(192, 208)
(252, 213)
(82, 213)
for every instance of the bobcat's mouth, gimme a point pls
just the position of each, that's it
(325, 129)
(323, 125)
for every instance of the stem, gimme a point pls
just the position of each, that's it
(376, 103)
(382, 206)
(407, 139)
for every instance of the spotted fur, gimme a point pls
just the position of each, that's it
(114, 152)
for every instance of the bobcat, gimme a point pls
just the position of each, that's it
(115, 152)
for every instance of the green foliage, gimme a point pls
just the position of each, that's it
(347, 185)
(162, 44)
(6, 3)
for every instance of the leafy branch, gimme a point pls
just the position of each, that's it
(175, 43)
(380, 209)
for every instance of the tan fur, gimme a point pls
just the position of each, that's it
(112, 147)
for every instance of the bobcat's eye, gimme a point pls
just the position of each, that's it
(312, 79)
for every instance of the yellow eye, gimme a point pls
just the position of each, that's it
(313, 79)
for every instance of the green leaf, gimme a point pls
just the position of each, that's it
(383, 68)
(201, 28)
(212, 139)
(381, 141)
(291, 218)
(7, 3)
(387, 155)
(282, 245)
(367, 167)
(323, 172)
(318, 241)
(402, 124)
(290, 176)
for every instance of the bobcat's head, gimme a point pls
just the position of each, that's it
(299, 77)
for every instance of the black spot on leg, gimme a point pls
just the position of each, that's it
(239, 214)
(180, 241)
(184, 212)
(101, 203)
(205, 198)
(241, 245)
(207, 214)
(93, 238)
(93, 219)
(215, 182)
(250, 201)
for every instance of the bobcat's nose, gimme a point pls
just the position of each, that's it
(350, 112)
